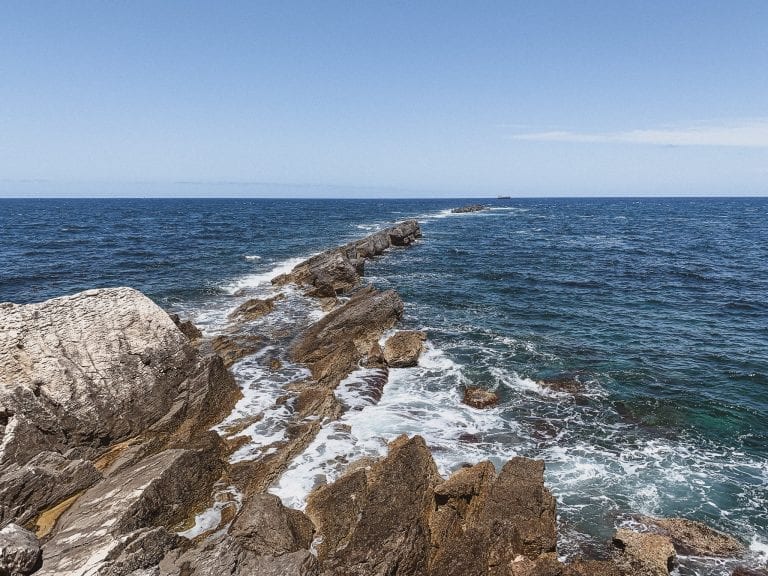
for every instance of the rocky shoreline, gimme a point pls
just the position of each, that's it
(107, 453)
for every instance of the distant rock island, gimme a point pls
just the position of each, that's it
(469, 208)
(107, 451)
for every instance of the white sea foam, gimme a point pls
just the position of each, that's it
(262, 278)
(251, 258)
(210, 518)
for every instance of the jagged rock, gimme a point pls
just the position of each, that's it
(19, 551)
(78, 370)
(254, 308)
(48, 478)
(338, 270)
(159, 491)
(187, 328)
(402, 349)
(469, 208)
(333, 346)
(266, 539)
(568, 383)
(479, 397)
(233, 347)
(591, 568)
(643, 554)
(382, 527)
(695, 538)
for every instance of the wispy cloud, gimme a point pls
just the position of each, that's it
(746, 134)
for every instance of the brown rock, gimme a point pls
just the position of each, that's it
(233, 347)
(695, 538)
(254, 309)
(267, 528)
(187, 328)
(643, 554)
(591, 568)
(402, 349)
(469, 208)
(479, 397)
(746, 571)
(382, 527)
(28, 489)
(333, 346)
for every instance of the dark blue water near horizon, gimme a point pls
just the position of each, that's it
(655, 307)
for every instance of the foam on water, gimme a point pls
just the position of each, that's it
(263, 278)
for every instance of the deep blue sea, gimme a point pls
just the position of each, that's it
(657, 307)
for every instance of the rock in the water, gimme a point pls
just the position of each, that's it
(79, 370)
(19, 551)
(233, 347)
(469, 208)
(746, 571)
(333, 346)
(254, 308)
(47, 479)
(403, 348)
(695, 538)
(338, 270)
(479, 397)
(187, 328)
(643, 554)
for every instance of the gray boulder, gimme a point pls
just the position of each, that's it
(19, 551)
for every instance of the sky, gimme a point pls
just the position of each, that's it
(589, 97)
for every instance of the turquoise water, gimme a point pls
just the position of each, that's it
(655, 308)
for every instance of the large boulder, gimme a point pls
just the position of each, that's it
(403, 348)
(78, 371)
(19, 551)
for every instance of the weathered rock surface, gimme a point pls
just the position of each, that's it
(265, 538)
(157, 492)
(254, 309)
(47, 479)
(746, 571)
(694, 538)
(403, 348)
(19, 551)
(78, 370)
(643, 553)
(469, 208)
(187, 328)
(338, 270)
(233, 347)
(479, 397)
(333, 346)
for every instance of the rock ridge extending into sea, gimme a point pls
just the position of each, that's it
(107, 452)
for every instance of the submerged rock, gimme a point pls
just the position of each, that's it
(402, 349)
(20, 552)
(479, 397)
(254, 308)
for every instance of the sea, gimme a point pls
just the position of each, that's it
(653, 310)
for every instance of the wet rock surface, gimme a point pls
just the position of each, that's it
(479, 397)
(403, 349)
(469, 208)
(694, 538)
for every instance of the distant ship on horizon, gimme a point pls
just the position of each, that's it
(503, 197)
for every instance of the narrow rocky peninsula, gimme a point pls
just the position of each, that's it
(108, 457)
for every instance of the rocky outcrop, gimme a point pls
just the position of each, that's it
(403, 348)
(694, 538)
(254, 309)
(19, 551)
(47, 479)
(469, 208)
(338, 270)
(77, 371)
(398, 516)
(333, 346)
(479, 397)
(643, 553)
(187, 328)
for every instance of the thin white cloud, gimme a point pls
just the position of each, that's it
(746, 134)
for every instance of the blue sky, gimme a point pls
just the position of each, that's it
(419, 98)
